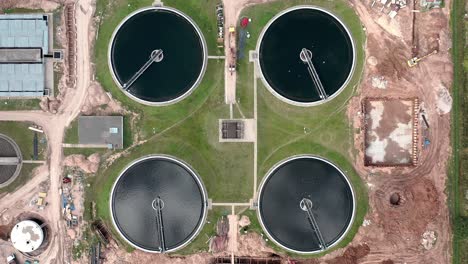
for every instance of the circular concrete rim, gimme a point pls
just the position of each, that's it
(192, 172)
(269, 174)
(283, 98)
(194, 86)
(19, 155)
(14, 234)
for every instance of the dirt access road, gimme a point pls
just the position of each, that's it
(54, 126)
(232, 10)
(401, 232)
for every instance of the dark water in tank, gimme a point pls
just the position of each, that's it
(182, 48)
(320, 33)
(323, 185)
(140, 185)
(7, 150)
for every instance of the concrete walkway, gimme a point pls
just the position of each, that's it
(256, 132)
(66, 145)
(231, 204)
(217, 57)
(34, 161)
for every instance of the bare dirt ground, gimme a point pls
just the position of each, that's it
(389, 132)
(54, 127)
(396, 230)
(98, 102)
(46, 5)
(87, 165)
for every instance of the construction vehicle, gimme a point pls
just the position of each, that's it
(11, 259)
(414, 61)
(232, 47)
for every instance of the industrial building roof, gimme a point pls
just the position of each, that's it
(22, 76)
(101, 130)
(24, 31)
(21, 79)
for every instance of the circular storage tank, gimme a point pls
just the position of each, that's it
(303, 194)
(293, 37)
(158, 204)
(157, 55)
(10, 160)
(27, 236)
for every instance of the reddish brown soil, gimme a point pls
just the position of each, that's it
(394, 232)
(396, 112)
(351, 255)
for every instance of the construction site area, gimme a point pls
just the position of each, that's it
(391, 131)
(238, 131)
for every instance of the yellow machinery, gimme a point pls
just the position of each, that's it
(414, 61)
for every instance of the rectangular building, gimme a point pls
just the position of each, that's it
(24, 40)
(101, 131)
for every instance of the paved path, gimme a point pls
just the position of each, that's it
(230, 204)
(231, 12)
(256, 134)
(217, 57)
(34, 161)
(66, 145)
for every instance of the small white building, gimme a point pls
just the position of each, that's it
(27, 236)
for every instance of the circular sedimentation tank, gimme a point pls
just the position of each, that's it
(27, 236)
(158, 204)
(157, 55)
(10, 160)
(303, 194)
(291, 38)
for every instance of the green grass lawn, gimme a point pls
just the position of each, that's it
(156, 119)
(19, 104)
(281, 127)
(22, 11)
(19, 132)
(458, 179)
(71, 134)
(24, 137)
(189, 129)
(200, 243)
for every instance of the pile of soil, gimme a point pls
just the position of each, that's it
(88, 165)
(352, 255)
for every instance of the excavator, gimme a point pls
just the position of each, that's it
(414, 61)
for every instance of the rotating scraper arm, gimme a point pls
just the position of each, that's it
(313, 223)
(157, 206)
(306, 57)
(156, 56)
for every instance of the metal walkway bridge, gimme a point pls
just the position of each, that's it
(158, 205)
(306, 205)
(306, 57)
(156, 56)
